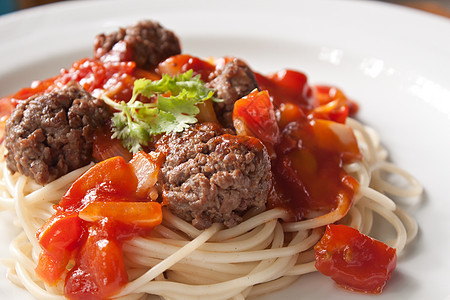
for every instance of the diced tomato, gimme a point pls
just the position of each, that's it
(335, 137)
(325, 94)
(254, 115)
(114, 77)
(51, 267)
(336, 110)
(58, 238)
(181, 63)
(100, 270)
(288, 86)
(114, 176)
(60, 232)
(140, 73)
(289, 113)
(353, 260)
(6, 106)
(144, 214)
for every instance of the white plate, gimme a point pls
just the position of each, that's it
(394, 61)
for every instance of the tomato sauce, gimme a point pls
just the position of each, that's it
(312, 144)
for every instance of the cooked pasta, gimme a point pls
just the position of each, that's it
(262, 254)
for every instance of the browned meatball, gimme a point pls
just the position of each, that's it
(147, 43)
(50, 135)
(211, 176)
(231, 83)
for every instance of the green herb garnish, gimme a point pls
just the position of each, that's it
(136, 123)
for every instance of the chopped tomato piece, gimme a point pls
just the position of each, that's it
(51, 267)
(254, 115)
(336, 110)
(288, 86)
(60, 232)
(325, 94)
(337, 138)
(114, 77)
(353, 260)
(58, 237)
(109, 174)
(100, 270)
(6, 107)
(290, 113)
(181, 63)
(145, 214)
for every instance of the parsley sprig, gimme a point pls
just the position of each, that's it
(135, 122)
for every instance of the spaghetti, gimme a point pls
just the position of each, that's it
(262, 254)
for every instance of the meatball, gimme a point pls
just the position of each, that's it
(234, 81)
(212, 176)
(147, 43)
(50, 135)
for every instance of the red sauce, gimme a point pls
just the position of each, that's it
(307, 179)
(308, 159)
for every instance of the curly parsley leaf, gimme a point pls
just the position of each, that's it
(135, 123)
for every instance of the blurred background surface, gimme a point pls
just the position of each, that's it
(439, 7)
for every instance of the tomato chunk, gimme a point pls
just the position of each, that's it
(353, 260)
(287, 86)
(254, 115)
(106, 176)
(181, 63)
(60, 232)
(51, 266)
(116, 78)
(336, 137)
(325, 95)
(145, 214)
(100, 269)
